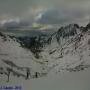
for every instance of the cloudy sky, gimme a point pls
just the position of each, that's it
(43, 14)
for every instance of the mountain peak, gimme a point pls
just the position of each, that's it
(88, 26)
(68, 30)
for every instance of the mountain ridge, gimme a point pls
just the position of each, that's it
(66, 50)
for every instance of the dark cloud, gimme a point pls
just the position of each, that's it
(59, 16)
(52, 12)
(15, 24)
(20, 7)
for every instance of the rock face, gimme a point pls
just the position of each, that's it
(88, 26)
(37, 43)
(67, 49)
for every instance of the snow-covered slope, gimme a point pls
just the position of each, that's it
(17, 60)
(76, 51)
(67, 50)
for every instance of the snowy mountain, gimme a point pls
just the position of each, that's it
(17, 61)
(67, 50)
